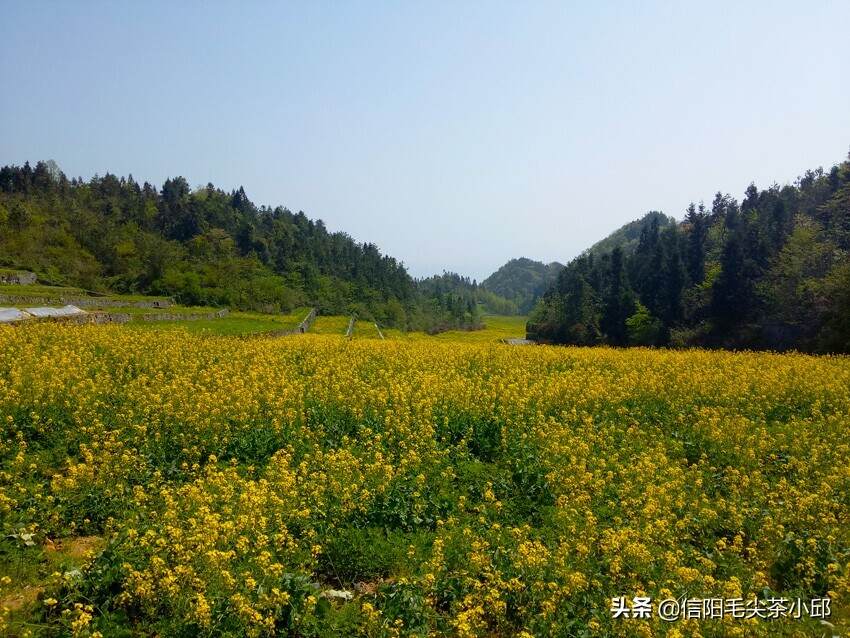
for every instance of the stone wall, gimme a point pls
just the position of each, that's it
(102, 317)
(17, 277)
(81, 302)
(116, 303)
(81, 319)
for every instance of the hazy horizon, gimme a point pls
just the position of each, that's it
(454, 137)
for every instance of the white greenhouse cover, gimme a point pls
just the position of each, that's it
(64, 311)
(12, 314)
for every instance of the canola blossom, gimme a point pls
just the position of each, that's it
(315, 486)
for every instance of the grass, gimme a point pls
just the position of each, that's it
(132, 298)
(54, 292)
(236, 323)
(136, 311)
(40, 290)
(496, 328)
(227, 326)
(365, 330)
(330, 325)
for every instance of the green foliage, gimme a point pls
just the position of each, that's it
(644, 329)
(768, 273)
(451, 301)
(627, 237)
(202, 246)
(361, 554)
(835, 335)
(522, 281)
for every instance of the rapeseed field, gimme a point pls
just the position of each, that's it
(314, 486)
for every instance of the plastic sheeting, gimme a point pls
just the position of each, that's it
(12, 314)
(64, 311)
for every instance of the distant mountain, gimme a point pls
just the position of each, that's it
(627, 237)
(522, 281)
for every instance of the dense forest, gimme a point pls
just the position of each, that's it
(453, 301)
(770, 272)
(201, 246)
(523, 281)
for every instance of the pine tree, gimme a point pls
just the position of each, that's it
(674, 279)
(618, 304)
(730, 292)
(696, 244)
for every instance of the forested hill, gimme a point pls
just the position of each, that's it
(451, 300)
(772, 271)
(522, 281)
(202, 246)
(628, 235)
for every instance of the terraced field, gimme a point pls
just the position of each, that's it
(235, 323)
(330, 325)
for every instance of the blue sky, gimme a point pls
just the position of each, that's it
(455, 135)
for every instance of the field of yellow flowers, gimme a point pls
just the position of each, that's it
(317, 486)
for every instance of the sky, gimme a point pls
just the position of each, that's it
(454, 135)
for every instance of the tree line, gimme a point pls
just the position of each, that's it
(202, 246)
(452, 301)
(770, 272)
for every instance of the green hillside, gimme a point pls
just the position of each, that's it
(627, 236)
(522, 281)
(201, 246)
